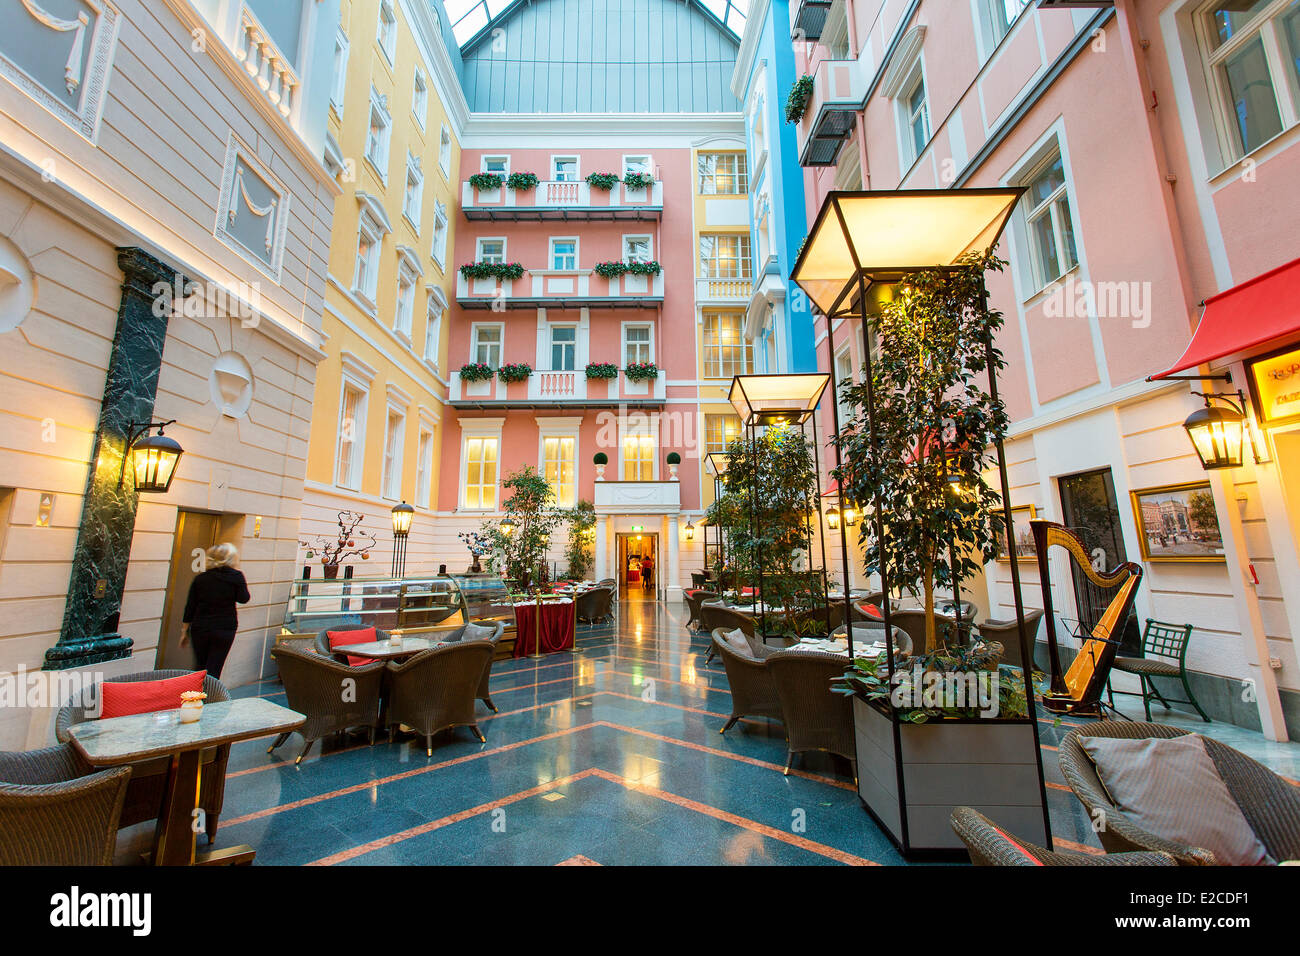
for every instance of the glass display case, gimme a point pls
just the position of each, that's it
(395, 603)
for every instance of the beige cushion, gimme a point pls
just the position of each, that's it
(477, 632)
(1172, 789)
(737, 642)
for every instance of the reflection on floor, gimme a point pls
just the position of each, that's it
(607, 756)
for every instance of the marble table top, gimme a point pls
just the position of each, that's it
(383, 650)
(118, 740)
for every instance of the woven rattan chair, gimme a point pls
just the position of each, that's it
(144, 793)
(1164, 654)
(989, 846)
(53, 813)
(816, 718)
(595, 605)
(313, 686)
(1007, 633)
(693, 601)
(753, 694)
(871, 631)
(716, 616)
(484, 691)
(323, 642)
(435, 689)
(1269, 803)
(912, 620)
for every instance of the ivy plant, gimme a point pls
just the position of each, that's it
(797, 102)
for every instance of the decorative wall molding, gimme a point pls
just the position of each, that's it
(235, 202)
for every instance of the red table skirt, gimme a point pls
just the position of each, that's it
(558, 623)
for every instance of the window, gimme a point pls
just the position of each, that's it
(381, 130)
(726, 352)
(420, 98)
(340, 72)
(433, 332)
(411, 201)
(724, 257)
(916, 116)
(564, 347)
(387, 29)
(566, 169)
(394, 439)
(1048, 223)
(497, 164)
(424, 469)
(636, 345)
(564, 254)
(637, 249)
(440, 233)
(491, 250)
(1002, 15)
(487, 345)
(444, 151)
(723, 174)
(351, 447)
(638, 457)
(405, 304)
(843, 379)
(636, 164)
(559, 454)
(719, 432)
(365, 278)
(1252, 57)
(480, 484)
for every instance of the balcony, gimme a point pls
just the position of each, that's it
(723, 291)
(548, 389)
(839, 90)
(550, 289)
(638, 497)
(266, 64)
(557, 202)
(810, 19)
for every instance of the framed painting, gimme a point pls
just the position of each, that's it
(1021, 533)
(1178, 523)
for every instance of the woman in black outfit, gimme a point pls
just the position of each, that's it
(210, 617)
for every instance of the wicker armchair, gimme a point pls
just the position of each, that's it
(435, 689)
(1007, 634)
(988, 846)
(313, 687)
(912, 620)
(323, 642)
(693, 602)
(816, 718)
(52, 813)
(484, 693)
(1269, 803)
(716, 616)
(144, 792)
(753, 694)
(868, 632)
(595, 605)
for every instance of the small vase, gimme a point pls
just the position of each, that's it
(330, 571)
(191, 711)
(600, 472)
(672, 472)
(394, 640)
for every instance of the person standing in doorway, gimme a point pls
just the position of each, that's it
(210, 618)
(647, 572)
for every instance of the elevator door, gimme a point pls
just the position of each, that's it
(196, 531)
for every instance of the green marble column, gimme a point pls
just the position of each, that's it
(103, 547)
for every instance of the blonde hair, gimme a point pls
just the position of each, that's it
(222, 555)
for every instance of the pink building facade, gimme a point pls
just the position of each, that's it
(1155, 141)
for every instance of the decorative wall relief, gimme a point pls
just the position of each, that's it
(253, 213)
(17, 286)
(231, 384)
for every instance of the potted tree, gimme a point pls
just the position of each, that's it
(349, 542)
(523, 536)
(600, 460)
(673, 460)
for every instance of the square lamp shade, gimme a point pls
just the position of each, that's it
(716, 462)
(769, 399)
(153, 460)
(883, 236)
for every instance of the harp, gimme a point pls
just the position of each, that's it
(1079, 690)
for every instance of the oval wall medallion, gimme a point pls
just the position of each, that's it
(231, 384)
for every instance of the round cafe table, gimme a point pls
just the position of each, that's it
(558, 624)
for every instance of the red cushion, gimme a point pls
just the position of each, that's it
(121, 698)
(870, 610)
(365, 635)
(747, 592)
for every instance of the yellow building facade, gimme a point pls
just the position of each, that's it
(376, 422)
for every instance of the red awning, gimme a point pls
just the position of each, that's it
(1260, 312)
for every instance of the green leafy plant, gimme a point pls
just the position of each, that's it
(638, 180)
(522, 182)
(797, 102)
(649, 267)
(529, 506)
(602, 370)
(476, 372)
(514, 372)
(935, 426)
(506, 271)
(582, 531)
(605, 181)
(641, 372)
(673, 458)
(486, 182)
(600, 458)
(610, 270)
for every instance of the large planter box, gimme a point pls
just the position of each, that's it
(989, 765)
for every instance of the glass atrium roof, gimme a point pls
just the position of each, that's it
(469, 18)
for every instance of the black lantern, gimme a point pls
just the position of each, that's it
(402, 515)
(153, 457)
(833, 518)
(690, 531)
(1218, 433)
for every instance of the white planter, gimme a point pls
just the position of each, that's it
(600, 472)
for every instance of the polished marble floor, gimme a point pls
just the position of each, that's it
(606, 756)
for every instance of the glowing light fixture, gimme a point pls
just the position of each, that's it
(402, 515)
(833, 518)
(690, 531)
(153, 457)
(775, 399)
(1218, 433)
(507, 526)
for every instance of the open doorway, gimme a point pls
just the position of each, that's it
(638, 566)
(196, 531)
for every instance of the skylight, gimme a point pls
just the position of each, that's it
(470, 17)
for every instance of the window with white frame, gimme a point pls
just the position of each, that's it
(479, 481)
(491, 250)
(349, 457)
(394, 440)
(639, 456)
(719, 432)
(387, 35)
(497, 164)
(843, 379)
(637, 348)
(914, 115)
(727, 352)
(414, 195)
(559, 467)
(444, 151)
(420, 98)
(379, 134)
(1251, 53)
(564, 255)
(999, 17)
(487, 345)
(724, 256)
(638, 248)
(637, 164)
(564, 347)
(340, 88)
(1049, 226)
(424, 468)
(565, 169)
(404, 308)
(365, 278)
(440, 233)
(433, 333)
(723, 174)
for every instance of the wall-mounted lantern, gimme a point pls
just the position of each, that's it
(153, 457)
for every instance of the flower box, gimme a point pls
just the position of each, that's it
(641, 372)
(602, 370)
(522, 182)
(605, 181)
(505, 271)
(514, 372)
(476, 372)
(486, 182)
